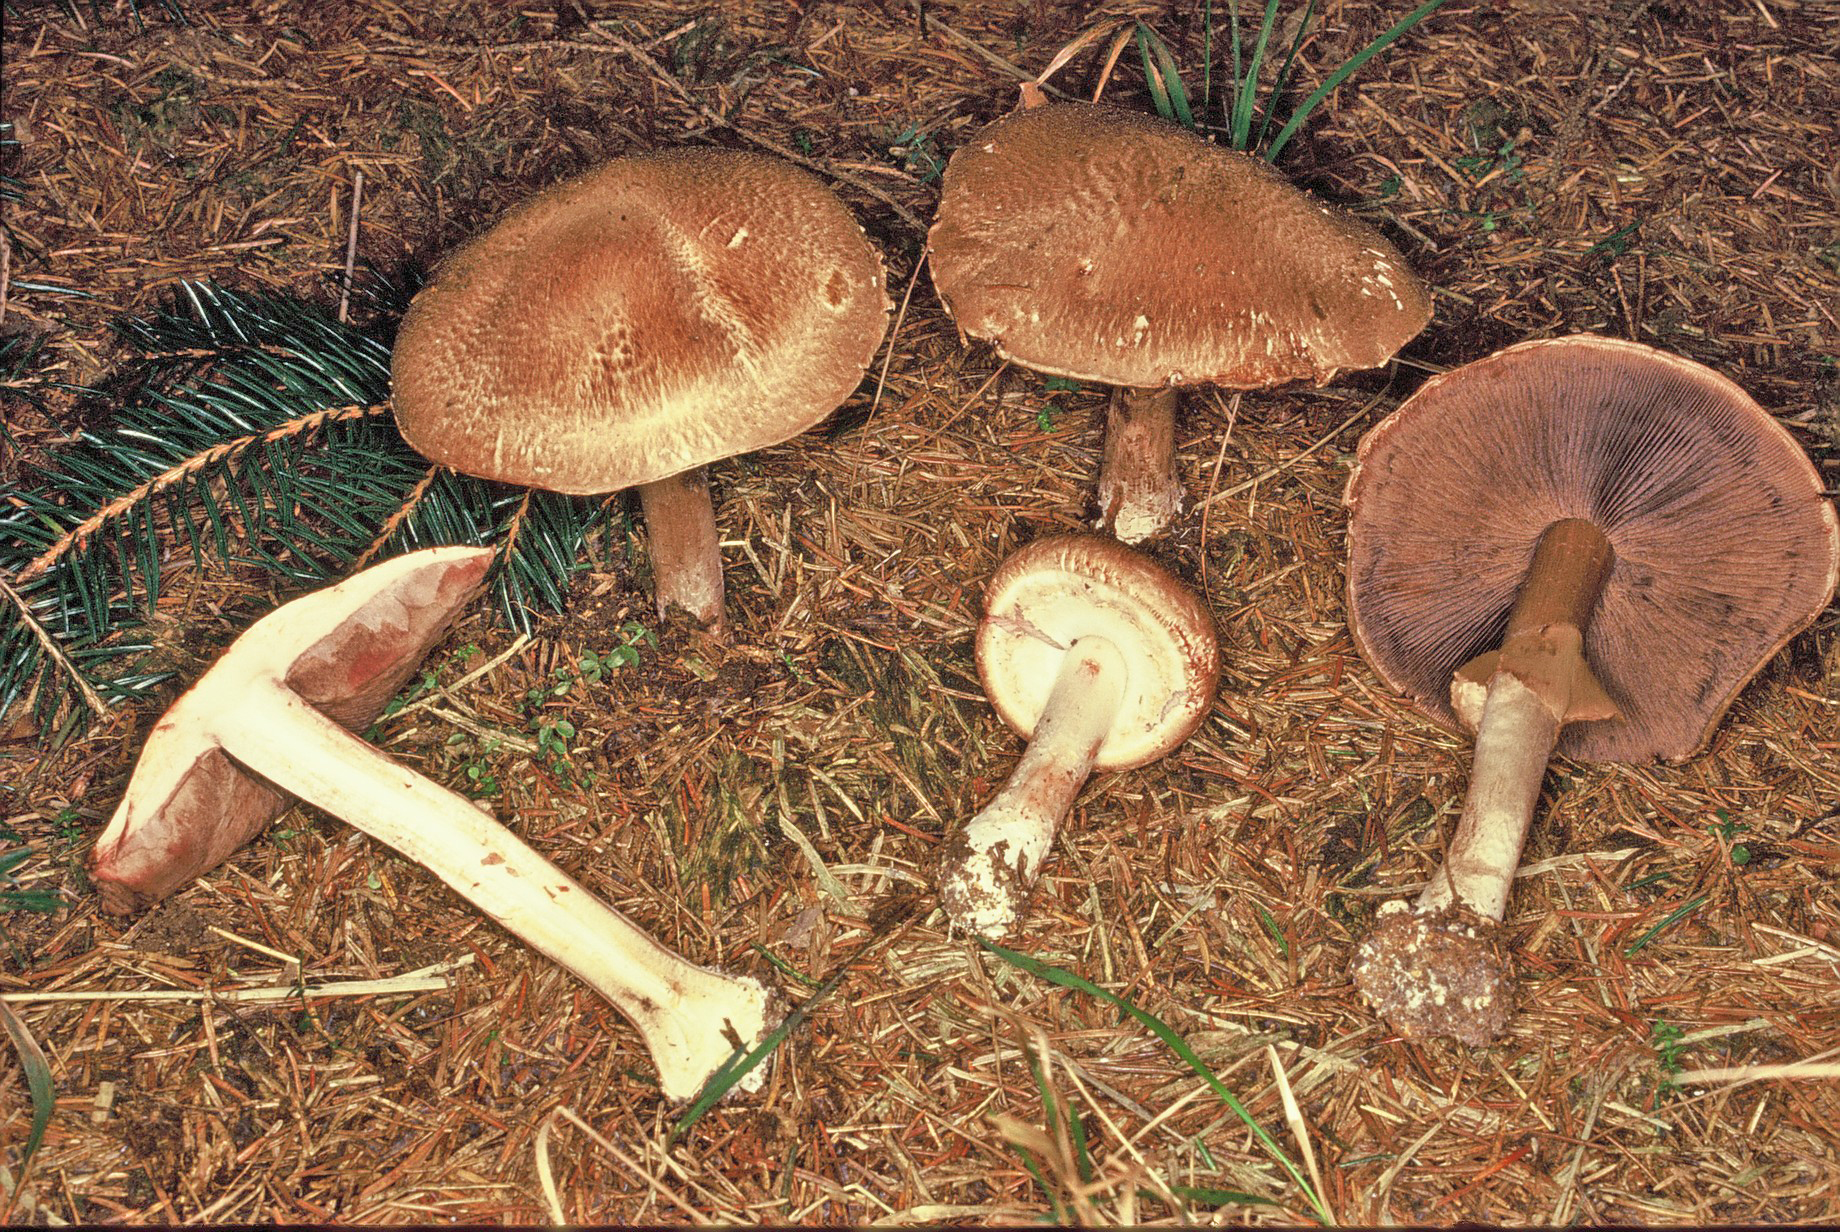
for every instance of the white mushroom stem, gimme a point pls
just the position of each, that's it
(692, 1018)
(989, 869)
(1440, 968)
(1517, 699)
(1140, 493)
(686, 552)
(1513, 744)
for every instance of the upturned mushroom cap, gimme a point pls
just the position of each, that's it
(1091, 242)
(1064, 587)
(659, 313)
(1724, 545)
(190, 806)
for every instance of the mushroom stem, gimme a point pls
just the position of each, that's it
(686, 552)
(1517, 699)
(1513, 744)
(692, 1018)
(1440, 968)
(987, 871)
(1139, 490)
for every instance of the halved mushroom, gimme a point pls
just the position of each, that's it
(1576, 544)
(1090, 242)
(629, 327)
(273, 719)
(1101, 659)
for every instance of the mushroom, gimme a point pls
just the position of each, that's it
(1577, 545)
(273, 718)
(1086, 241)
(1103, 661)
(630, 326)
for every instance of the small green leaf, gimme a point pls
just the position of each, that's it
(1217, 1197)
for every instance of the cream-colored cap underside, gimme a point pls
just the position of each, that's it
(1033, 614)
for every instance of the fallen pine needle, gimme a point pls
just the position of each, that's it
(637, 1169)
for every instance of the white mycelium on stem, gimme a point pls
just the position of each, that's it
(1104, 661)
(988, 871)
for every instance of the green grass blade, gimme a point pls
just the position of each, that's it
(1676, 916)
(1059, 1115)
(1153, 80)
(1165, 79)
(1076, 1130)
(1214, 1197)
(783, 967)
(1277, 934)
(1028, 1161)
(744, 1062)
(1177, 1045)
(1284, 74)
(38, 1080)
(1347, 70)
(1249, 83)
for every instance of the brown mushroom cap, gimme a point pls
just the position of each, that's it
(1091, 242)
(659, 313)
(190, 806)
(1060, 588)
(1724, 545)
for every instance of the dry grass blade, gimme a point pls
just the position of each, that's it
(1293, 1117)
(1815, 1068)
(1568, 1184)
(638, 1171)
(546, 1176)
(425, 979)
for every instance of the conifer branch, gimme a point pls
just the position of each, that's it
(84, 688)
(80, 534)
(394, 522)
(253, 431)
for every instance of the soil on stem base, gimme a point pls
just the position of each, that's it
(1444, 971)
